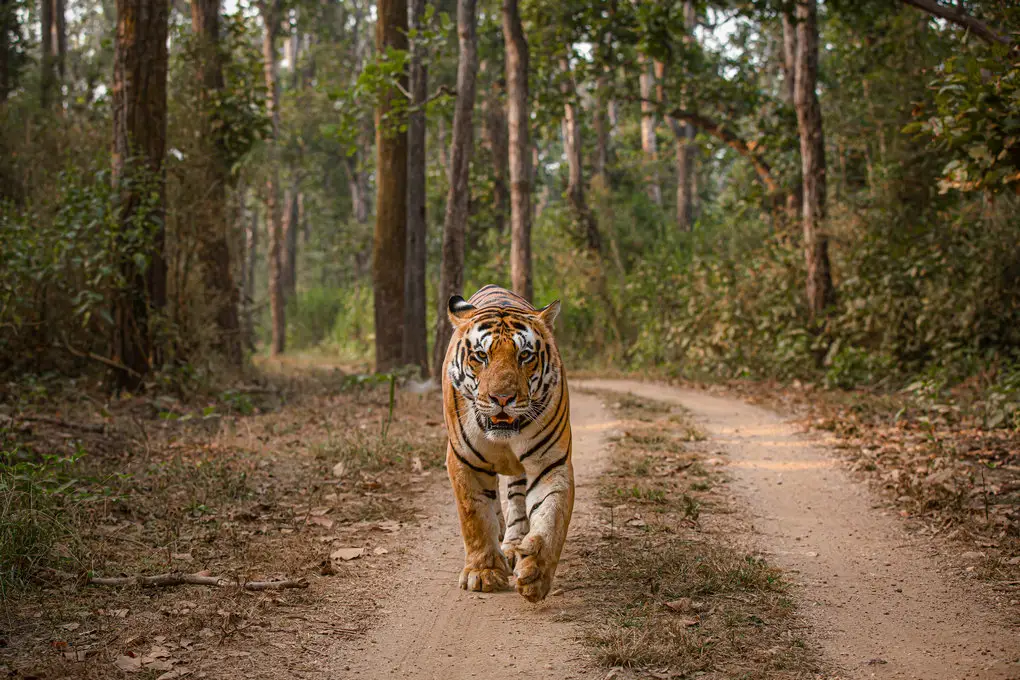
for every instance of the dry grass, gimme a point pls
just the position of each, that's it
(242, 484)
(666, 591)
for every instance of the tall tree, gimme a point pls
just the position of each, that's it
(291, 226)
(793, 199)
(389, 251)
(8, 29)
(516, 49)
(451, 276)
(649, 144)
(494, 132)
(573, 147)
(214, 241)
(251, 249)
(271, 11)
(139, 148)
(820, 291)
(48, 60)
(415, 332)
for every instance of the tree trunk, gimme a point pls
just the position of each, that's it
(820, 292)
(601, 124)
(683, 134)
(389, 249)
(60, 37)
(494, 132)
(277, 308)
(139, 147)
(573, 147)
(8, 24)
(648, 125)
(451, 277)
(250, 259)
(519, 149)
(291, 227)
(794, 205)
(357, 184)
(214, 245)
(415, 350)
(48, 59)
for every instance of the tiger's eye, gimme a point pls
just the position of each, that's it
(480, 357)
(526, 356)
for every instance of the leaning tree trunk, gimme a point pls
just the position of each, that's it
(277, 307)
(820, 292)
(519, 149)
(451, 277)
(415, 350)
(389, 248)
(139, 148)
(214, 239)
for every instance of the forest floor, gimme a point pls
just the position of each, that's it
(710, 538)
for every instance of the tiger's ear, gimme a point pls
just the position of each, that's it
(549, 313)
(459, 311)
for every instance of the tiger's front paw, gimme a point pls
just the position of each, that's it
(487, 575)
(512, 552)
(533, 571)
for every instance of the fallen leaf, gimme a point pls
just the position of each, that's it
(70, 626)
(380, 551)
(347, 554)
(128, 664)
(76, 655)
(339, 469)
(682, 605)
(183, 557)
(390, 525)
(176, 673)
(321, 521)
(159, 665)
(637, 522)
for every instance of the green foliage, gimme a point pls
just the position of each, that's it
(38, 497)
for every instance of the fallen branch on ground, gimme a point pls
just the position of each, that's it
(199, 579)
(56, 422)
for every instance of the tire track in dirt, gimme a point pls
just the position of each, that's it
(430, 629)
(879, 602)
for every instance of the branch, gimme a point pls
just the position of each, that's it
(730, 139)
(101, 359)
(56, 422)
(199, 579)
(972, 24)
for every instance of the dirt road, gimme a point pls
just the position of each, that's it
(434, 630)
(880, 604)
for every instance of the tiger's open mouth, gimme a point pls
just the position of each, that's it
(502, 425)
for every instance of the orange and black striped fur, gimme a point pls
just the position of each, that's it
(508, 413)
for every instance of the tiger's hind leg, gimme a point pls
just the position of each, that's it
(517, 525)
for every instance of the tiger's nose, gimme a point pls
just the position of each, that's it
(503, 400)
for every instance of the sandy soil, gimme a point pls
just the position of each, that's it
(881, 603)
(433, 630)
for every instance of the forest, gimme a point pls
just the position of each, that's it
(212, 210)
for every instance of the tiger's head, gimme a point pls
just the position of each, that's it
(504, 363)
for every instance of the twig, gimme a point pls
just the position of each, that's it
(101, 359)
(200, 579)
(57, 422)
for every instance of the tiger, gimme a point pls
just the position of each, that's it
(507, 412)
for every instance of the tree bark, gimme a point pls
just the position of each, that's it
(389, 251)
(519, 149)
(494, 132)
(250, 258)
(451, 277)
(48, 59)
(8, 24)
(600, 122)
(649, 145)
(820, 292)
(139, 146)
(271, 10)
(291, 227)
(573, 147)
(214, 237)
(794, 205)
(415, 350)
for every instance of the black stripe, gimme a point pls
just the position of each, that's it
(473, 467)
(543, 473)
(538, 504)
(551, 431)
(515, 493)
(516, 521)
(518, 482)
(489, 493)
(463, 434)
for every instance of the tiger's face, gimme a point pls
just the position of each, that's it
(504, 365)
